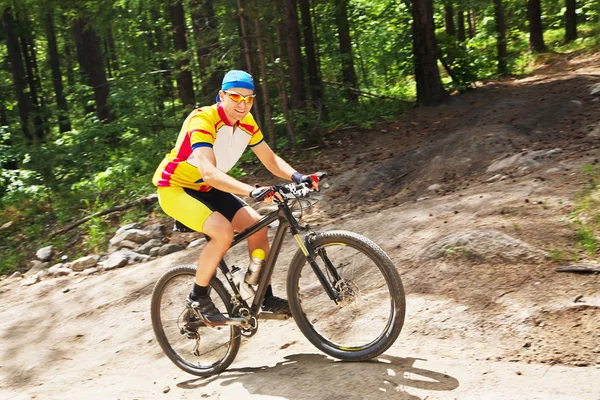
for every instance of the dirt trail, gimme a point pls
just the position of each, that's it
(476, 327)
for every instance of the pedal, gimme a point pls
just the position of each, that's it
(271, 315)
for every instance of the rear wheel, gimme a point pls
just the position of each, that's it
(188, 342)
(368, 313)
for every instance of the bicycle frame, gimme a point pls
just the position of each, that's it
(286, 221)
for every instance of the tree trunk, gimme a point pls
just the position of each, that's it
(314, 77)
(89, 55)
(348, 73)
(166, 89)
(501, 38)
(3, 117)
(449, 19)
(265, 76)
(472, 24)
(182, 63)
(18, 73)
(112, 50)
(570, 20)
(430, 90)
(536, 33)
(206, 36)
(35, 87)
(460, 21)
(63, 110)
(106, 52)
(248, 56)
(292, 33)
(279, 83)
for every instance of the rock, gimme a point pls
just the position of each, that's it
(524, 159)
(84, 263)
(492, 246)
(595, 89)
(435, 186)
(59, 270)
(168, 249)
(553, 152)
(42, 274)
(156, 230)
(127, 244)
(45, 254)
(149, 245)
(496, 177)
(595, 132)
(36, 266)
(154, 251)
(6, 225)
(116, 260)
(552, 170)
(196, 243)
(89, 271)
(128, 227)
(16, 275)
(32, 280)
(576, 103)
(135, 235)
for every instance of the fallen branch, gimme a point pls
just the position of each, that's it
(580, 268)
(141, 201)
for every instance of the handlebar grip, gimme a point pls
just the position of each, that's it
(319, 176)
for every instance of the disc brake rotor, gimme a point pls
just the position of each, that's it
(350, 293)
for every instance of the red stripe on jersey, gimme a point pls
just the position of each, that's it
(222, 114)
(202, 131)
(184, 153)
(248, 127)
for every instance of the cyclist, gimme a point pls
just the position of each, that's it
(195, 189)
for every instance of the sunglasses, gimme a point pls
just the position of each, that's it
(240, 97)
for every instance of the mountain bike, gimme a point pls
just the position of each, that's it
(343, 290)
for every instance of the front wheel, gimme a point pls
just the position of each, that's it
(188, 342)
(367, 314)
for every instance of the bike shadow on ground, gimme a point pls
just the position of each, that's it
(316, 376)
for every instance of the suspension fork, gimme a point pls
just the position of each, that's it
(309, 251)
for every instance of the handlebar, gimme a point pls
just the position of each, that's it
(294, 191)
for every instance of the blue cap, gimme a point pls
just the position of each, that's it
(237, 79)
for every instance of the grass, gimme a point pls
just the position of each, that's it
(585, 219)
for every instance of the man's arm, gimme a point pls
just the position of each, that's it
(206, 161)
(275, 164)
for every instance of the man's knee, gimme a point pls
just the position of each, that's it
(219, 229)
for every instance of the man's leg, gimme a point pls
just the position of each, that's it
(220, 232)
(244, 218)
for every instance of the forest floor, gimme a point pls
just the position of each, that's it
(505, 157)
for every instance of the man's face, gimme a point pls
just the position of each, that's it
(235, 111)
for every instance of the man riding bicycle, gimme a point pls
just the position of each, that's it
(195, 189)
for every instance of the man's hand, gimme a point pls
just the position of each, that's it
(265, 193)
(311, 180)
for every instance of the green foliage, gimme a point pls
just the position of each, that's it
(585, 219)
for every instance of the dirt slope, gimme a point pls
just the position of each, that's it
(505, 158)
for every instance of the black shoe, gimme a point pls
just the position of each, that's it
(276, 305)
(207, 310)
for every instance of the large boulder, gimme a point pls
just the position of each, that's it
(491, 246)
